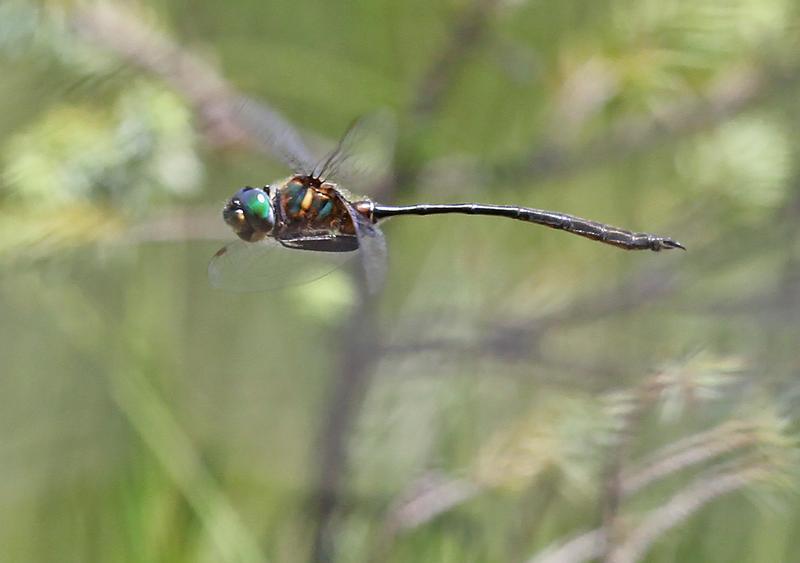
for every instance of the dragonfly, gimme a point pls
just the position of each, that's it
(305, 226)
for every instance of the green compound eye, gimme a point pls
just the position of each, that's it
(250, 215)
(255, 203)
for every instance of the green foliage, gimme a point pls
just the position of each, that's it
(77, 174)
(126, 157)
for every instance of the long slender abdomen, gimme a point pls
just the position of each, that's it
(586, 228)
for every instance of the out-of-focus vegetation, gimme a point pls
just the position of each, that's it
(515, 393)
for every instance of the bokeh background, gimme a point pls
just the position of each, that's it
(514, 394)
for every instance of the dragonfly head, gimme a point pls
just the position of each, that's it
(249, 213)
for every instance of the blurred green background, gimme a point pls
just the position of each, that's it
(515, 393)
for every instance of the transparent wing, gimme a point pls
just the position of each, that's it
(265, 265)
(362, 160)
(274, 134)
(371, 249)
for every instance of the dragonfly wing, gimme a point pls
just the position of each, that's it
(257, 266)
(371, 249)
(274, 134)
(362, 160)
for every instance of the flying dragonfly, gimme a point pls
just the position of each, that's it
(303, 227)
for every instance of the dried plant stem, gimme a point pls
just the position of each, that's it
(690, 451)
(680, 507)
(593, 544)
(584, 547)
(430, 502)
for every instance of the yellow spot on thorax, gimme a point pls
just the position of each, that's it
(308, 198)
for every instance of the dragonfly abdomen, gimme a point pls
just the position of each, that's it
(601, 232)
(593, 230)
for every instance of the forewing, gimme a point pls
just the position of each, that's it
(362, 160)
(257, 266)
(274, 134)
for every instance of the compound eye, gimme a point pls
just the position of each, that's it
(249, 213)
(255, 203)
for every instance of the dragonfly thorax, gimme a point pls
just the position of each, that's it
(308, 206)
